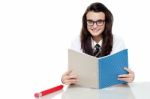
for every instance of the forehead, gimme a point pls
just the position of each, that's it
(95, 15)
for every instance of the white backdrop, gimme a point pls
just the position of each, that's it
(35, 35)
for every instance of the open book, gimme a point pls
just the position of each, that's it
(95, 72)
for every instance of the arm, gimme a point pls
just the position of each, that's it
(118, 45)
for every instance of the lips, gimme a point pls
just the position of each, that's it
(95, 30)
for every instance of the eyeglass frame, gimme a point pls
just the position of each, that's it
(93, 22)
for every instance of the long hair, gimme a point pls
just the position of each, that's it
(107, 36)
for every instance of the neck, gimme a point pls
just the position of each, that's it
(97, 39)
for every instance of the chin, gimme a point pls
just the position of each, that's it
(96, 34)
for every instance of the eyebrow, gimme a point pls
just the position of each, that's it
(95, 20)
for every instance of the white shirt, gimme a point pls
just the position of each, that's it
(118, 44)
(94, 43)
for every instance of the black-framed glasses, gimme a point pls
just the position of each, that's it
(98, 22)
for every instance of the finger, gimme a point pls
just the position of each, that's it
(67, 78)
(126, 79)
(71, 81)
(64, 78)
(72, 76)
(126, 75)
(123, 79)
(128, 70)
(123, 75)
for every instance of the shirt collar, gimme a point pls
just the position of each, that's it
(94, 43)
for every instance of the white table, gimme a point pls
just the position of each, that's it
(139, 90)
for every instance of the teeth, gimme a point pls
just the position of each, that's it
(94, 30)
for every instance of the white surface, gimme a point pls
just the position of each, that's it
(131, 91)
(35, 35)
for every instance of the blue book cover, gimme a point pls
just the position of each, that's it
(112, 66)
(95, 72)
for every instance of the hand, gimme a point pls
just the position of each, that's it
(69, 78)
(127, 77)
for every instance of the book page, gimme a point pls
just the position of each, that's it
(86, 68)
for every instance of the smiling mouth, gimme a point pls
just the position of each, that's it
(95, 30)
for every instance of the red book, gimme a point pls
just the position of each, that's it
(48, 91)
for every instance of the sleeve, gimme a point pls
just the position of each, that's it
(76, 44)
(118, 44)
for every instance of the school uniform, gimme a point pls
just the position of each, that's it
(118, 44)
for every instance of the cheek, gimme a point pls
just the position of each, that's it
(103, 28)
(89, 29)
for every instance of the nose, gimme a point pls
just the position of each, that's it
(94, 25)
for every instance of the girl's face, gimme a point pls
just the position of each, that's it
(95, 23)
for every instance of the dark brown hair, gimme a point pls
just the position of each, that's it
(107, 36)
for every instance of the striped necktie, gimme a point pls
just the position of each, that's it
(96, 50)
